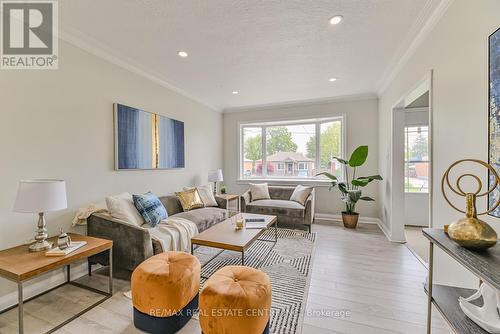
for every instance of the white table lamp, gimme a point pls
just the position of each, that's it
(39, 196)
(215, 176)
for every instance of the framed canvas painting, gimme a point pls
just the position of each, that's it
(494, 114)
(145, 140)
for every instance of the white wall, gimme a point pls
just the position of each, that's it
(457, 52)
(59, 124)
(416, 204)
(361, 118)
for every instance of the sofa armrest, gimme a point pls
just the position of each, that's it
(131, 244)
(244, 200)
(221, 202)
(310, 208)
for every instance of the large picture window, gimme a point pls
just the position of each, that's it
(417, 159)
(292, 149)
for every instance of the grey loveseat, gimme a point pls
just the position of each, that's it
(133, 244)
(289, 213)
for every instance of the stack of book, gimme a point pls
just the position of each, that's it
(62, 252)
(255, 223)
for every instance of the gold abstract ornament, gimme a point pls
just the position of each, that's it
(471, 232)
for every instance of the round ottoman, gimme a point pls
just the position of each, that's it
(236, 300)
(165, 292)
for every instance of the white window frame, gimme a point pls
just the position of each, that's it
(407, 178)
(304, 164)
(280, 164)
(285, 122)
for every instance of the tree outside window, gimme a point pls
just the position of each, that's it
(417, 159)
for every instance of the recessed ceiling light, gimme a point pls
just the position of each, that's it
(332, 79)
(336, 19)
(235, 92)
(182, 54)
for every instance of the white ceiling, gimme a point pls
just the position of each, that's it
(271, 51)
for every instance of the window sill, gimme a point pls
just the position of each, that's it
(311, 182)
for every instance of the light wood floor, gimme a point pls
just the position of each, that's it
(376, 284)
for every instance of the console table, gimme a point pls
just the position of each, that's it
(483, 264)
(19, 265)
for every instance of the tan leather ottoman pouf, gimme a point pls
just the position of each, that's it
(236, 300)
(165, 292)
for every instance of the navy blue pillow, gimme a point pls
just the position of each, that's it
(150, 207)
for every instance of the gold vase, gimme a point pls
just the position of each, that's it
(471, 232)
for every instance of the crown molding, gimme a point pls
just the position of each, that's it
(424, 25)
(90, 45)
(298, 103)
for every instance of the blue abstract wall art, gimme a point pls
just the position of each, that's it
(494, 114)
(145, 140)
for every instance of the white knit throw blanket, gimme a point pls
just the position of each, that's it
(83, 213)
(174, 234)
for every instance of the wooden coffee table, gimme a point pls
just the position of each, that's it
(226, 237)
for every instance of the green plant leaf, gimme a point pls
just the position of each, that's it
(342, 161)
(366, 198)
(358, 157)
(342, 187)
(330, 176)
(354, 196)
(360, 182)
(371, 177)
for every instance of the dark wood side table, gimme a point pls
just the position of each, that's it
(19, 265)
(485, 265)
(230, 198)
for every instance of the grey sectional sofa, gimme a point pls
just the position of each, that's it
(132, 244)
(290, 214)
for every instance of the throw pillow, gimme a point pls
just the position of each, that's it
(190, 199)
(206, 195)
(259, 191)
(150, 207)
(300, 194)
(122, 207)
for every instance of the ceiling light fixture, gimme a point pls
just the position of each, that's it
(332, 79)
(182, 54)
(336, 19)
(235, 92)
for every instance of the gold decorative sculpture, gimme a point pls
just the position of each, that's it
(471, 232)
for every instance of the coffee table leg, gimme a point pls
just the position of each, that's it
(20, 306)
(243, 258)
(276, 231)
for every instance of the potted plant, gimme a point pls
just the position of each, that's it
(351, 187)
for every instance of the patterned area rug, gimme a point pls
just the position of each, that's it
(288, 264)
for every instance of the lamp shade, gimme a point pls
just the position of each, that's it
(41, 196)
(215, 175)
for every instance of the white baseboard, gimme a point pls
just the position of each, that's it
(362, 220)
(43, 283)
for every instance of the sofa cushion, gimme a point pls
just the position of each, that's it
(276, 207)
(150, 207)
(300, 194)
(204, 217)
(122, 207)
(206, 195)
(259, 191)
(190, 199)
